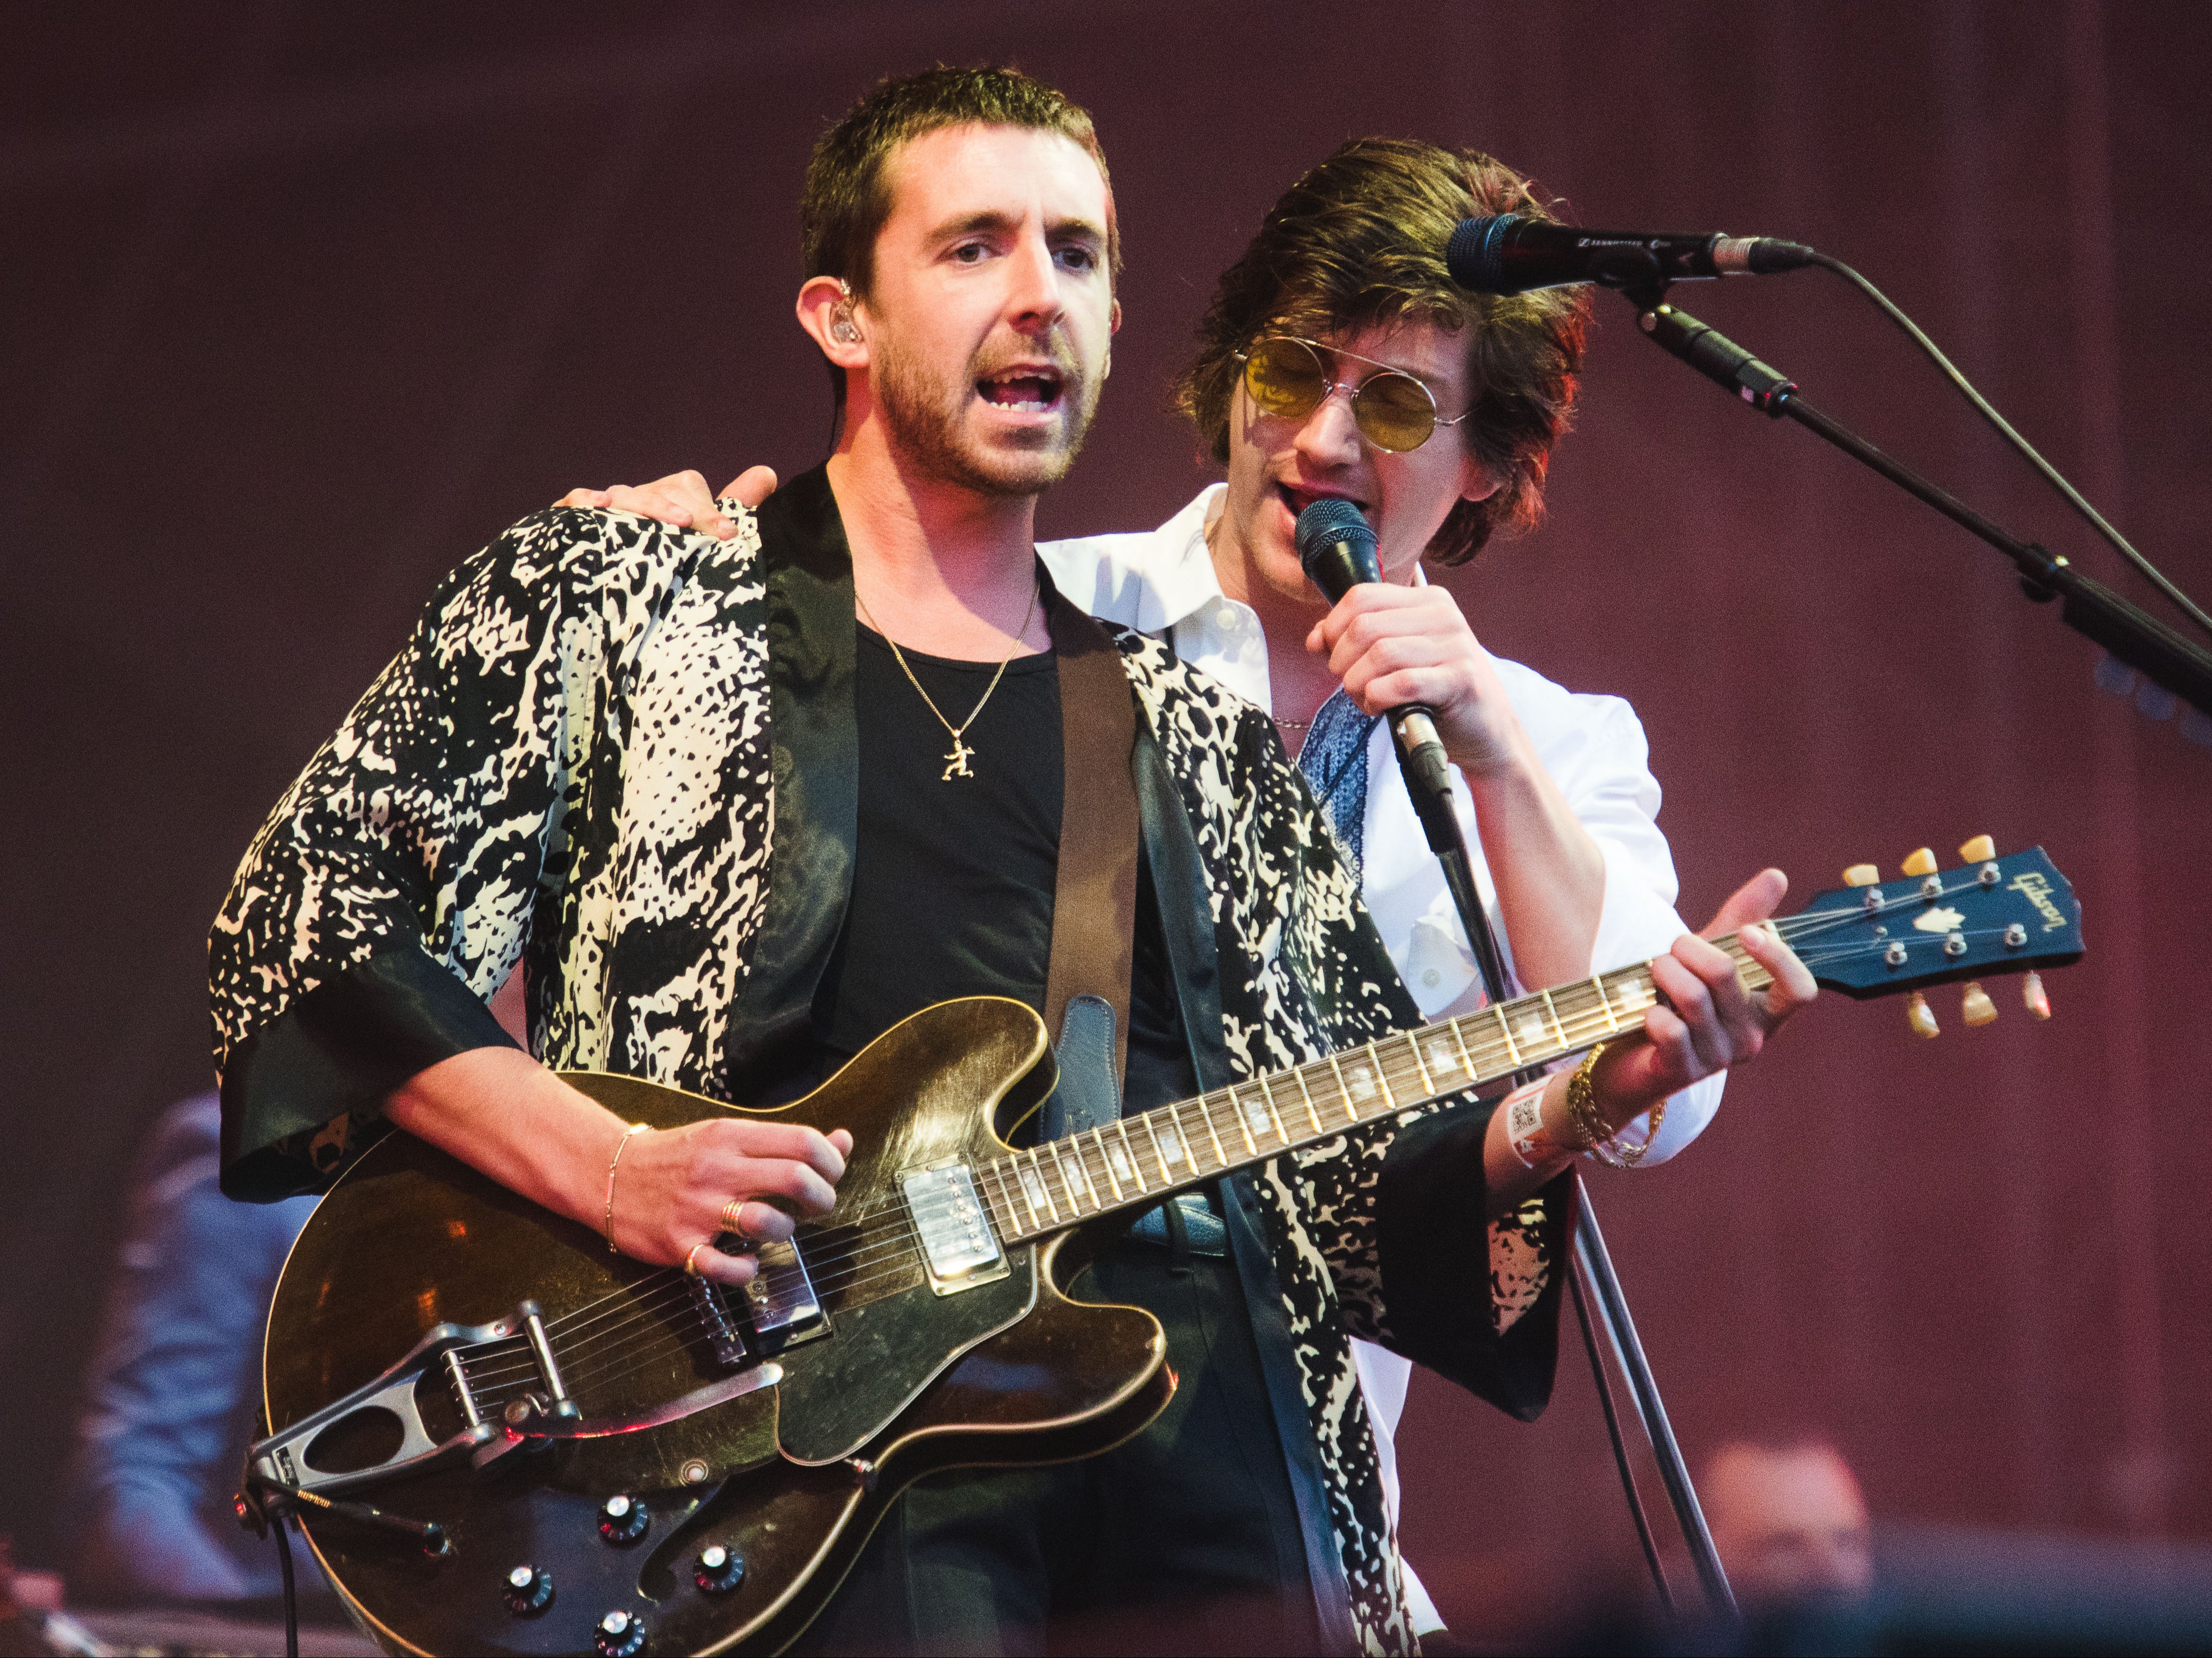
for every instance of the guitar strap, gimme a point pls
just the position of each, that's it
(1094, 907)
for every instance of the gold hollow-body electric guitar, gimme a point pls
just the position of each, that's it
(500, 1437)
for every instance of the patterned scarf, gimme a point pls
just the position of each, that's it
(1334, 760)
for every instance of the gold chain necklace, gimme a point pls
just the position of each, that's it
(957, 761)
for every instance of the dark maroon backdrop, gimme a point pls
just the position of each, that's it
(303, 303)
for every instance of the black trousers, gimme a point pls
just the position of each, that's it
(1186, 1539)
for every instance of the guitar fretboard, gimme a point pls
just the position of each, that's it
(1137, 1159)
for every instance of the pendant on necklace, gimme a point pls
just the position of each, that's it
(957, 761)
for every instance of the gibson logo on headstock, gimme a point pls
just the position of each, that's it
(2035, 887)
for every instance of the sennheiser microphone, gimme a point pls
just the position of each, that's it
(1508, 254)
(1337, 548)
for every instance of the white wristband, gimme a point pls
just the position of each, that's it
(1524, 1120)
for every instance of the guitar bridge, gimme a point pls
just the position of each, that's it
(959, 1248)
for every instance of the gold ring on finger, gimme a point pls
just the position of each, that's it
(730, 1212)
(692, 1259)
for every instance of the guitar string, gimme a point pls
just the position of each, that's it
(578, 1370)
(842, 1273)
(667, 1294)
(1254, 1118)
(654, 1296)
(1589, 1023)
(1586, 1023)
(836, 1275)
(849, 1276)
(568, 1323)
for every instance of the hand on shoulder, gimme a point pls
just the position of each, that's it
(681, 499)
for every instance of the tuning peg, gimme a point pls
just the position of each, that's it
(1922, 1018)
(1861, 875)
(2031, 992)
(1922, 862)
(1978, 1008)
(1979, 850)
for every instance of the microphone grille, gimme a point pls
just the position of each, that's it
(1324, 523)
(1476, 253)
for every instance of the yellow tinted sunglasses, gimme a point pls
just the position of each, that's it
(1396, 411)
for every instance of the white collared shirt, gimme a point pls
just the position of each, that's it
(1163, 582)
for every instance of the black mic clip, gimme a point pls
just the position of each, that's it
(1428, 774)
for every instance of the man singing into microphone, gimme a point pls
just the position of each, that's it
(739, 804)
(1339, 360)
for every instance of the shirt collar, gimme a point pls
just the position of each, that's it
(1178, 574)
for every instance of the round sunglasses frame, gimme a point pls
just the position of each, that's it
(1322, 355)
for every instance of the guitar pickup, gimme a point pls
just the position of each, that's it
(958, 1248)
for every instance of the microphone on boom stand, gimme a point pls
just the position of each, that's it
(1509, 253)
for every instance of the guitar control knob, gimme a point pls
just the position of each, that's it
(620, 1635)
(527, 1591)
(718, 1570)
(622, 1521)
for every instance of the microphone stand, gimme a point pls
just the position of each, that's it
(1420, 759)
(2161, 654)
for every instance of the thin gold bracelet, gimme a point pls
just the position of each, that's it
(608, 1225)
(1627, 1157)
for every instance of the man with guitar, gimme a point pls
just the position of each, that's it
(701, 789)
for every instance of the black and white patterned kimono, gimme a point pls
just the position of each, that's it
(623, 755)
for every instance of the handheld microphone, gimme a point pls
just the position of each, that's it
(1508, 254)
(1336, 548)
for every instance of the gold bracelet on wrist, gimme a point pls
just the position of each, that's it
(1588, 1121)
(1601, 1139)
(608, 1225)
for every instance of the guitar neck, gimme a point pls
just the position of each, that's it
(1136, 1160)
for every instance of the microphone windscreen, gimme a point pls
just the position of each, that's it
(1336, 548)
(1475, 255)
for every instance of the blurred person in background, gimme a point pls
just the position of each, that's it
(173, 1394)
(1790, 1524)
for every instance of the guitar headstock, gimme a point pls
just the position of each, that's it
(1988, 916)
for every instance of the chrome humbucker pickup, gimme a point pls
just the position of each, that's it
(959, 1248)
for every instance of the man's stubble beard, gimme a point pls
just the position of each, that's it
(923, 413)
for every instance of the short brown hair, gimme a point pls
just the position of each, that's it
(1359, 241)
(848, 198)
